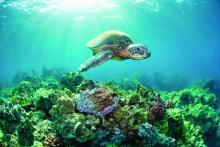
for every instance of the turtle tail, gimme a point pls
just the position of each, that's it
(96, 60)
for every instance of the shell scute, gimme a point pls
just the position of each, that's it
(109, 40)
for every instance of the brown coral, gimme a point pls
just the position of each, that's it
(103, 98)
(99, 102)
(53, 141)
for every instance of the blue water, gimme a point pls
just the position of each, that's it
(183, 36)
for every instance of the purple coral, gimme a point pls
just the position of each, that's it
(98, 102)
(157, 111)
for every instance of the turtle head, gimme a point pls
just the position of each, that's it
(138, 51)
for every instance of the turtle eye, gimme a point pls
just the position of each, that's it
(141, 52)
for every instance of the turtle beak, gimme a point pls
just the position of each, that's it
(148, 53)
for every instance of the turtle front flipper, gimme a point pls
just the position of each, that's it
(95, 60)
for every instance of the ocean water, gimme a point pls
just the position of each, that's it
(183, 36)
(50, 36)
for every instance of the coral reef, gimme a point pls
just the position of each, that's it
(43, 129)
(98, 102)
(25, 133)
(157, 111)
(56, 109)
(213, 85)
(175, 82)
(10, 117)
(204, 116)
(129, 117)
(44, 99)
(64, 105)
(127, 83)
(152, 138)
(53, 141)
(71, 81)
(72, 126)
(192, 95)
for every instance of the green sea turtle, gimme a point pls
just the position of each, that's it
(115, 45)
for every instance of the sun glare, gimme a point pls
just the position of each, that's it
(44, 6)
(76, 4)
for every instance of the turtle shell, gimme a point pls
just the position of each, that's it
(110, 40)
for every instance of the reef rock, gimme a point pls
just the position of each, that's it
(152, 138)
(99, 102)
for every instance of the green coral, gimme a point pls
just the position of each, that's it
(73, 126)
(2, 139)
(175, 122)
(24, 87)
(192, 136)
(175, 125)
(21, 94)
(64, 105)
(127, 83)
(175, 114)
(25, 133)
(10, 117)
(202, 115)
(147, 93)
(92, 122)
(44, 99)
(40, 108)
(37, 144)
(191, 96)
(130, 116)
(71, 81)
(43, 129)
(172, 124)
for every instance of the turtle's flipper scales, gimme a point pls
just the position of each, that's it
(96, 60)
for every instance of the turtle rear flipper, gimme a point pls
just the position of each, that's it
(96, 60)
